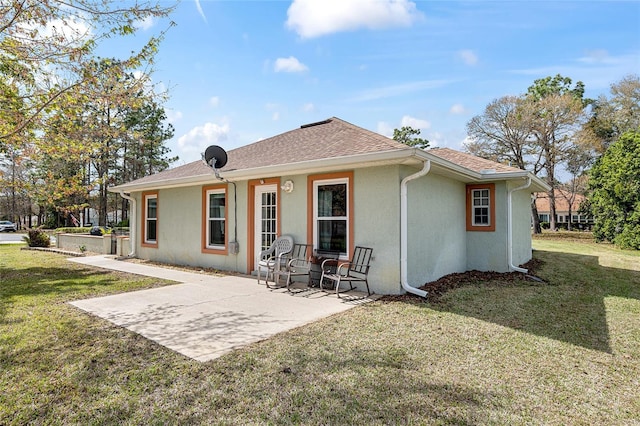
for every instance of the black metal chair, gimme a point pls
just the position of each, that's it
(356, 270)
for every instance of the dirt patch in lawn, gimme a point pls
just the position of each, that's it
(436, 289)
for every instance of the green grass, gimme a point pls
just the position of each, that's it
(563, 352)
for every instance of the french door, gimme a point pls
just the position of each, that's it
(266, 219)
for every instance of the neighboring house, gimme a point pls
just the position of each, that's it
(335, 185)
(563, 217)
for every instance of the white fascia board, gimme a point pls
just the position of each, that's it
(326, 165)
(414, 156)
(167, 183)
(313, 166)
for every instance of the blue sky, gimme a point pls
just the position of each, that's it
(240, 71)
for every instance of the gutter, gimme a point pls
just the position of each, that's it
(132, 223)
(512, 267)
(403, 229)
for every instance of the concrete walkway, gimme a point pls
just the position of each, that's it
(207, 316)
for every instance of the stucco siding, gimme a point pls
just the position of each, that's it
(436, 223)
(522, 250)
(377, 224)
(180, 229)
(487, 251)
(293, 209)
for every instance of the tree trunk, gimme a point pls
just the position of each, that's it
(534, 216)
(552, 210)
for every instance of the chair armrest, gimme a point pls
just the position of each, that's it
(266, 254)
(296, 261)
(328, 262)
(342, 265)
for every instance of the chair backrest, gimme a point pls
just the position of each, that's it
(283, 245)
(301, 251)
(360, 260)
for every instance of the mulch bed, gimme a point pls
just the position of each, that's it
(449, 282)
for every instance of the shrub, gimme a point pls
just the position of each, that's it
(37, 238)
(74, 230)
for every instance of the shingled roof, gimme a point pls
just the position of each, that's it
(472, 162)
(313, 144)
(315, 141)
(330, 138)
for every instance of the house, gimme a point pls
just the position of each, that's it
(425, 213)
(564, 214)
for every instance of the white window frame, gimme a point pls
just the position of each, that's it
(208, 244)
(147, 219)
(316, 218)
(480, 206)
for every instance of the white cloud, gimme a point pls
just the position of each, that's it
(275, 116)
(198, 138)
(435, 139)
(290, 64)
(468, 57)
(415, 123)
(595, 56)
(173, 115)
(385, 129)
(313, 18)
(398, 90)
(457, 109)
(73, 31)
(214, 101)
(145, 24)
(308, 107)
(200, 11)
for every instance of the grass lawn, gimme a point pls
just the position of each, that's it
(562, 352)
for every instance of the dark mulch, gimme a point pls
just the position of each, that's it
(449, 282)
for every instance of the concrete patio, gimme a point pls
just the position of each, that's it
(206, 316)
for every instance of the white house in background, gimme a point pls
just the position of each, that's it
(335, 185)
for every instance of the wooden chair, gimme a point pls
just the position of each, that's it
(274, 258)
(356, 270)
(298, 264)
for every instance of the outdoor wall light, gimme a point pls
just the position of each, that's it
(287, 187)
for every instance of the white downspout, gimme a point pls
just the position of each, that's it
(512, 267)
(132, 223)
(403, 229)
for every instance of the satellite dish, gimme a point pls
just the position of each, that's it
(215, 156)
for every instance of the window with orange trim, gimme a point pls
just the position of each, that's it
(481, 207)
(150, 219)
(331, 212)
(214, 216)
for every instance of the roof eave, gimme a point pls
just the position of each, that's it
(400, 156)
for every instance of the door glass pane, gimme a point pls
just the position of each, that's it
(268, 221)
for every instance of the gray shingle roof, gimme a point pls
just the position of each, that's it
(331, 138)
(471, 162)
(326, 139)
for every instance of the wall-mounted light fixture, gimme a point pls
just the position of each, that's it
(287, 186)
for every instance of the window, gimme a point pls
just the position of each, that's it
(150, 219)
(481, 207)
(332, 207)
(214, 217)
